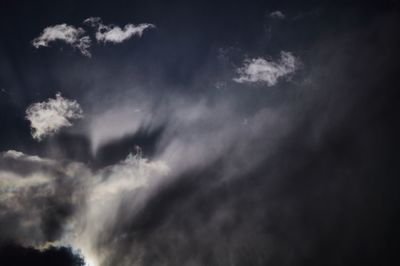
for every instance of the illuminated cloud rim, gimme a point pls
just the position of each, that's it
(267, 71)
(34, 195)
(46, 118)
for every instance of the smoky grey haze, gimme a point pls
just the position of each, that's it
(199, 133)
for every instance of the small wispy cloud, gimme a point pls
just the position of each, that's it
(46, 118)
(75, 37)
(115, 34)
(268, 71)
(277, 14)
(78, 38)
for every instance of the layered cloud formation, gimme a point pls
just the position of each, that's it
(47, 118)
(66, 203)
(306, 174)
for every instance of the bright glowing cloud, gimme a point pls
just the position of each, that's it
(75, 37)
(94, 196)
(46, 118)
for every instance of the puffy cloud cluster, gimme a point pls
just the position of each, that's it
(71, 35)
(268, 71)
(77, 37)
(47, 118)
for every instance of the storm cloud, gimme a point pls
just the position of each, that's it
(209, 142)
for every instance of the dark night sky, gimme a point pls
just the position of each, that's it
(269, 132)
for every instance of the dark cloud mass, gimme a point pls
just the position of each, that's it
(13, 255)
(245, 133)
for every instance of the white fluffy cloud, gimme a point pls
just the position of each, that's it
(268, 71)
(116, 34)
(46, 118)
(277, 14)
(71, 35)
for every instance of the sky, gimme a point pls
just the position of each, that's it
(199, 133)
